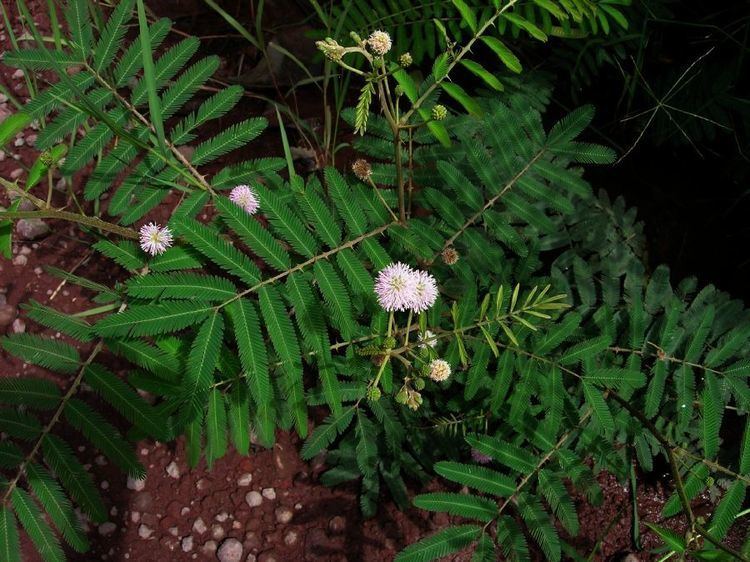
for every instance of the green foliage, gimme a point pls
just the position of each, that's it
(566, 356)
(115, 100)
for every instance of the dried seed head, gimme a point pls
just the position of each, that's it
(413, 399)
(379, 42)
(449, 255)
(362, 169)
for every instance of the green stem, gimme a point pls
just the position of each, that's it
(461, 54)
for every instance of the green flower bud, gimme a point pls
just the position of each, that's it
(405, 60)
(399, 90)
(439, 112)
(419, 384)
(389, 343)
(46, 158)
(373, 394)
(355, 37)
(402, 396)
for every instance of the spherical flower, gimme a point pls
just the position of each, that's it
(426, 339)
(405, 60)
(439, 112)
(395, 287)
(425, 291)
(154, 239)
(379, 42)
(362, 169)
(244, 196)
(440, 370)
(449, 255)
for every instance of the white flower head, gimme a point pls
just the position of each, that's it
(154, 239)
(427, 339)
(395, 287)
(425, 291)
(244, 196)
(440, 370)
(379, 42)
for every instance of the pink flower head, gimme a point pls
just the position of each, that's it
(395, 287)
(244, 196)
(480, 457)
(154, 239)
(426, 291)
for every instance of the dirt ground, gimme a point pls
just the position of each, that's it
(267, 507)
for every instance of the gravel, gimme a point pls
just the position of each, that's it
(253, 499)
(173, 470)
(137, 484)
(199, 526)
(230, 551)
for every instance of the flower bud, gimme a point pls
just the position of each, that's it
(419, 384)
(439, 112)
(405, 60)
(373, 394)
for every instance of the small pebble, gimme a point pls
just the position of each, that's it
(269, 493)
(291, 538)
(217, 532)
(19, 326)
(20, 259)
(284, 515)
(199, 526)
(221, 517)
(136, 484)
(230, 551)
(253, 499)
(173, 470)
(245, 479)
(145, 532)
(337, 525)
(32, 229)
(7, 314)
(187, 544)
(107, 528)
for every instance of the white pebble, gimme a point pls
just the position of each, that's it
(253, 499)
(199, 526)
(187, 544)
(269, 493)
(173, 470)
(136, 484)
